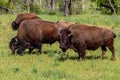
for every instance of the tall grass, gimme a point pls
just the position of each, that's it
(53, 66)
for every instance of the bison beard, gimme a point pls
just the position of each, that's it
(84, 37)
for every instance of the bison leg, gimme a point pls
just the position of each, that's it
(103, 52)
(20, 51)
(80, 49)
(39, 48)
(81, 54)
(30, 50)
(112, 49)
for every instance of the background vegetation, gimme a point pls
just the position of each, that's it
(53, 66)
(55, 7)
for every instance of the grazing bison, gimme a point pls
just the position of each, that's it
(14, 44)
(21, 17)
(83, 37)
(35, 32)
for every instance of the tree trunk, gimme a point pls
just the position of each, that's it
(48, 4)
(83, 5)
(112, 7)
(67, 7)
(28, 6)
(40, 3)
(52, 4)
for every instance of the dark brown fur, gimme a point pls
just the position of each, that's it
(36, 32)
(21, 17)
(84, 37)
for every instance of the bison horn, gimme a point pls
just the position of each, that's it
(70, 35)
(13, 23)
(16, 39)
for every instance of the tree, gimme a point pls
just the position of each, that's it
(83, 5)
(28, 5)
(5, 7)
(108, 6)
(112, 7)
(67, 7)
(52, 4)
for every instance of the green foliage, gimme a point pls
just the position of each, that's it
(18, 6)
(105, 7)
(53, 12)
(16, 69)
(3, 2)
(34, 70)
(55, 74)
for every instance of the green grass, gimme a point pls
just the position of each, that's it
(53, 66)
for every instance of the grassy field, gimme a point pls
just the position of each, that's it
(53, 66)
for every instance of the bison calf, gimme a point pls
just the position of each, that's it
(83, 37)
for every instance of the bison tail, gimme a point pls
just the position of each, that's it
(14, 25)
(114, 35)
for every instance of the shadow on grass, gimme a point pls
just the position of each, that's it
(58, 55)
(76, 58)
(93, 57)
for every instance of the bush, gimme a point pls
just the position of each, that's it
(53, 12)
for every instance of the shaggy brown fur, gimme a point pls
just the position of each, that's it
(64, 23)
(14, 44)
(84, 37)
(36, 32)
(21, 17)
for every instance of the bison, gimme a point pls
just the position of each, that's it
(21, 17)
(14, 44)
(35, 32)
(81, 37)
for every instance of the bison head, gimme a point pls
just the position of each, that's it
(14, 25)
(65, 39)
(15, 44)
